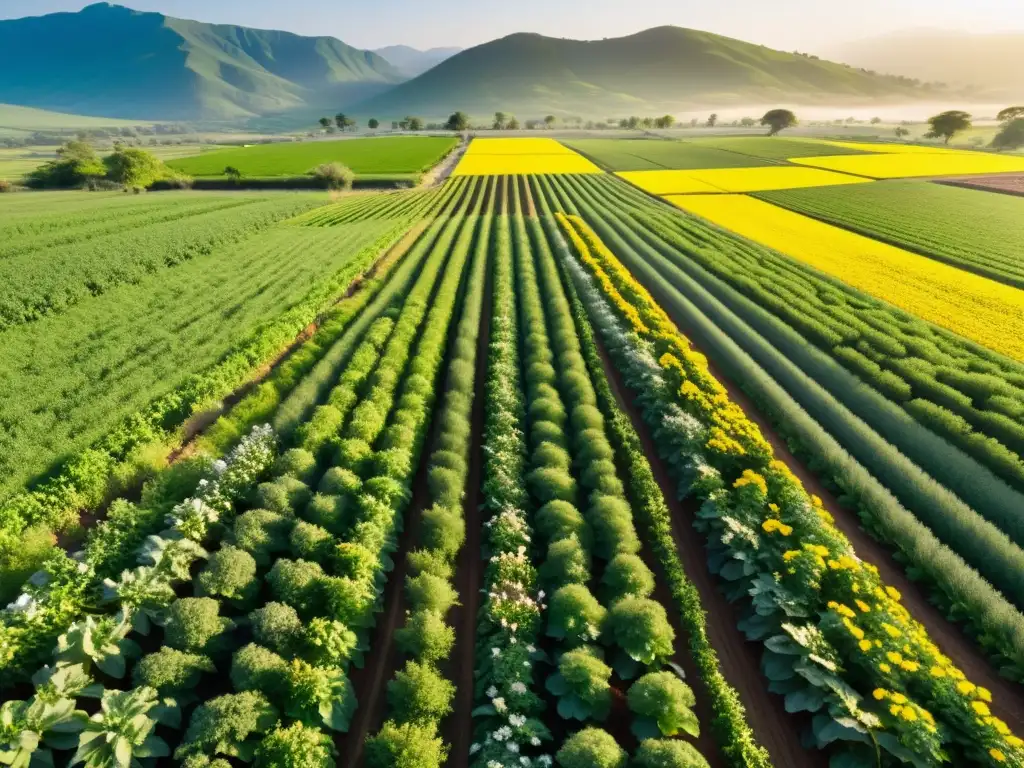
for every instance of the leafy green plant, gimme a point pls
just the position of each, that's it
(668, 753)
(663, 705)
(121, 733)
(101, 641)
(408, 745)
(320, 695)
(581, 685)
(591, 748)
(296, 746)
(228, 725)
(30, 729)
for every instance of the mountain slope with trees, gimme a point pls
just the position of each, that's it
(111, 61)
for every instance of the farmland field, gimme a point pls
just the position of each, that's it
(653, 154)
(901, 165)
(734, 179)
(367, 156)
(528, 468)
(977, 231)
(775, 148)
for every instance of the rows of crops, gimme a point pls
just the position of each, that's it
(496, 510)
(97, 395)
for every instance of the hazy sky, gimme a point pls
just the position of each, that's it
(807, 25)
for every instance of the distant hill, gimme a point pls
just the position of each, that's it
(110, 61)
(27, 119)
(993, 61)
(662, 69)
(411, 61)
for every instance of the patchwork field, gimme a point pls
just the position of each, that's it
(971, 229)
(654, 154)
(770, 148)
(525, 468)
(901, 165)
(368, 157)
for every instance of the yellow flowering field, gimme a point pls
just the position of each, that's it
(526, 146)
(735, 179)
(897, 149)
(906, 165)
(983, 310)
(500, 165)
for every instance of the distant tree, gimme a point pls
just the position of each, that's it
(876, 120)
(693, 122)
(325, 123)
(76, 163)
(394, 125)
(458, 121)
(1010, 113)
(512, 124)
(133, 168)
(778, 120)
(341, 120)
(712, 120)
(499, 121)
(748, 122)
(665, 121)
(415, 123)
(373, 123)
(901, 132)
(233, 173)
(532, 125)
(647, 122)
(334, 175)
(1010, 136)
(948, 124)
(549, 121)
(633, 123)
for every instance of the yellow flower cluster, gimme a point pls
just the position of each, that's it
(864, 620)
(983, 310)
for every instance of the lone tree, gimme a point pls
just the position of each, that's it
(499, 121)
(665, 121)
(900, 131)
(948, 124)
(1010, 136)
(334, 176)
(1010, 113)
(325, 123)
(373, 123)
(778, 120)
(512, 124)
(232, 173)
(712, 120)
(458, 121)
(414, 123)
(549, 121)
(133, 168)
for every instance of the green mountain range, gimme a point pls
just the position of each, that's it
(665, 69)
(107, 60)
(412, 61)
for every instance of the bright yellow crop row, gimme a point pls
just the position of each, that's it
(887, 149)
(734, 179)
(524, 146)
(898, 166)
(507, 165)
(983, 310)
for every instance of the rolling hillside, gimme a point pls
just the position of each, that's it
(666, 68)
(111, 61)
(412, 61)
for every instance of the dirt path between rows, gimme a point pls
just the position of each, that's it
(457, 728)
(439, 174)
(775, 729)
(1008, 696)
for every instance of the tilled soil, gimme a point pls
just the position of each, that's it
(1005, 183)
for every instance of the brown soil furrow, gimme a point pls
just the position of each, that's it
(774, 728)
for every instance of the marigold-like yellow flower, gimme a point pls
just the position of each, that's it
(879, 693)
(864, 607)
(885, 668)
(984, 694)
(981, 708)
(966, 687)
(997, 755)
(865, 645)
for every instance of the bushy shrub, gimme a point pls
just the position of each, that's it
(194, 624)
(446, 486)
(226, 724)
(627, 575)
(665, 699)
(311, 542)
(419, 694)
(331, 512)
(255, 668)
(548, 432)
(277, 626)
(640, 627)
(612, 523)
(353, 561)
(668, 753)
(585, 677)
(426, 637)
(321, 428)
(334, 175)
(566, 562)
(550, 483)
(321, 695)
(427, 592)
(559, 519)
(297, 583)
(350, 601)
(169, 670)
(296, 462)
(575, 615)
(550, 455)
(261, 533)
(339, 481)
(591, 748)
(443, 530)
(229, 573)
(429, 561)
(600, 477)
(405, 746)
(297, 746)
(329, 643)
(285, 495)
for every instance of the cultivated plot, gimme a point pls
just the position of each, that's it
(734, 179)
(916, 164)
(657, 154)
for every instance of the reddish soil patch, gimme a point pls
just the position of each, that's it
(774, 728)
(457, 728)
(1004, 183)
